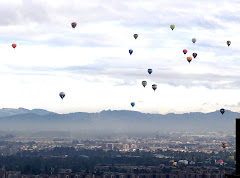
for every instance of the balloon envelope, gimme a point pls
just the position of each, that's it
(132, 104)
(62, 94)
(14, 45)
(172, 26)
(154, 87)
(144, 83)
(135, 36)
(149, 71)
(130, 51)
(228, 43)
(189, 59)
(231, 159)
(194, 40)
(185, 51)
(74, 24)
(222, 111)
(224, 144)
(194, 55)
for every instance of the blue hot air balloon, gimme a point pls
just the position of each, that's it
(62, 94)
(132, 104)
(149, 71)
(135, 36)
(130, 51)
(222, 111)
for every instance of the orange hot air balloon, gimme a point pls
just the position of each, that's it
(14, 45)
(189, 59)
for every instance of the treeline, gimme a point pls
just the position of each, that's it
(38, 162)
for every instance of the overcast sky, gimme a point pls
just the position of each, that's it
(92, 65)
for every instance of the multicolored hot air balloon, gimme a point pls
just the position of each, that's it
(74, 24)
(185, 51)
(222, 111)
(154, 87)
(194, 55)
(228, 43)
(149, 71)
(62, 94)
(130, 51)
(194, 40)
(224, 144)
(14, 45)
(172, 26)
(144, 83)
(189, 59)
(132, 104)
(135, 36)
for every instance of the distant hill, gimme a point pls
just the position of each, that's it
(4, 112)
(115, 121)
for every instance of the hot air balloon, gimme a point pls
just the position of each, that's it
(62, 94)
(132, 104)
(149, 71)
(172, 26)
(14, 46)
(194, 55)
(144, 83)
(222, 111)
(231, 159)
(224, 144)
(194, 40)
(135, 36)
(154, 87)
(74, 24)
(130, 51)
(228, 43)
(189, 59)
(185, 51)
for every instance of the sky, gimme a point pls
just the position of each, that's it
(92, 65)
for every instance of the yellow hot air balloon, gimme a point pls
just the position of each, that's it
(172, 26)
(224, 144)
(231, 159)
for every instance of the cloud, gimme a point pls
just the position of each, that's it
(233, 105)
(129, 76)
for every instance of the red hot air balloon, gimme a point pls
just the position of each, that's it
(74, 24)
(185, 51)
(14, 45)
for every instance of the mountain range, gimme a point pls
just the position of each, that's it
(115, 121)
